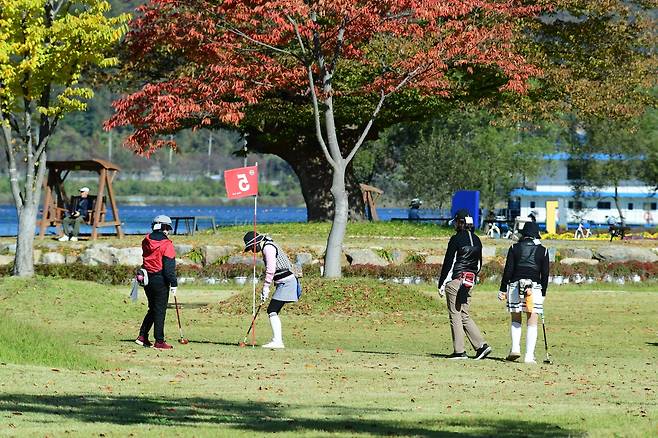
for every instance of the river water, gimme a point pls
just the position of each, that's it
(137, 219)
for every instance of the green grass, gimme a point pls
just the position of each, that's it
(356, 364)
(23, 343)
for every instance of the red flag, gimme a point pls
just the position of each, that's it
(241, 182)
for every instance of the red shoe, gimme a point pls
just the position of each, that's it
(162, 345)
(143, 341)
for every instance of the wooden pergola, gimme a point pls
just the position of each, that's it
(56, 202)
(370, 196)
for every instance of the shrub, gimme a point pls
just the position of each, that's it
(195, 255)
(491, 270)
(121, 274)
(416, 258)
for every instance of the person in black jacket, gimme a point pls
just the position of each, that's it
(414, 209)
(159, 261)
(461, 264)
(524, 285)
(76, 216)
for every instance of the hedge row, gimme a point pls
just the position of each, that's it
(117, 274)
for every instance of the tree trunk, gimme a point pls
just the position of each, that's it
(24, 261)
(622, 220)
(316, 180)
(334, 252)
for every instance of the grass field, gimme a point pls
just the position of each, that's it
(363, 358)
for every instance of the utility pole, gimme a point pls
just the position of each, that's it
(244, 148)
(171, 150)
(209, 153)
(109, 146)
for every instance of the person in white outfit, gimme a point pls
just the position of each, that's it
(523, 286)
(278, 271)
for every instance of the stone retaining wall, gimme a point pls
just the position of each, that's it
(105, 254)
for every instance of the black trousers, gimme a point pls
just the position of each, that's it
(157, 293)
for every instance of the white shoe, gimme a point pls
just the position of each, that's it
(74, 239)
(530, 360)
(64, 238)
(274, 345)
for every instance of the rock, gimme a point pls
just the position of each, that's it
(71, 258)
(98, 255)
(9, 247)
(488, 251)
(6, 260)
(182, 248)
(622, 254)
(358, 256)
(574, 260)
(398, 256)
(53, 258)
(185, 262)
(127, 256)
(213, 253)
(303, 258)
(577, 253)
(434, 260)
(244, 260)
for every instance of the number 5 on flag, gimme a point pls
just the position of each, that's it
(241, 182)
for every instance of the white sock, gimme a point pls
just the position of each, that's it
(515, 331)
(530, 341)
(275, 322)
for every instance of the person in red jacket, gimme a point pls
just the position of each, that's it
(159, 261)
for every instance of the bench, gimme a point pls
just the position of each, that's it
(62, 211)
(192, 223)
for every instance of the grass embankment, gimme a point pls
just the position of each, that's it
(36, 341)
(363, 358)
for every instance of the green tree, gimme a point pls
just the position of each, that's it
(45, 48)
(598, 60)
(469, 153)
(648, 141)
(607, 152)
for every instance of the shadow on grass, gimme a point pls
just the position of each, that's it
(446, 356)
(655, 344)
(263, 417)
(191, 341)
(188, 306)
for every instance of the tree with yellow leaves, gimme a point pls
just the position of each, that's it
(46, 47)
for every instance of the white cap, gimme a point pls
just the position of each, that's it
(84, 189)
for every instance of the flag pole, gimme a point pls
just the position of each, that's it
(253, 281)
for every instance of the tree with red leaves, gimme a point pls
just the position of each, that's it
(227, 57)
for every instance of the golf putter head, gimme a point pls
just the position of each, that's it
(548, 360)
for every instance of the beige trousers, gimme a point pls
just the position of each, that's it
(458, 300)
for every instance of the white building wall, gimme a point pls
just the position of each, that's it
(554, 186)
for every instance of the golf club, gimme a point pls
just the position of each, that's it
(244, 342)
(543, 326)
(182, 340)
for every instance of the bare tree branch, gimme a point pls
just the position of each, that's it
(11, 161)
(340, 38)
(262, 44)
(58, 5)
(408, 77)
(298, 34)
(316, 116)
